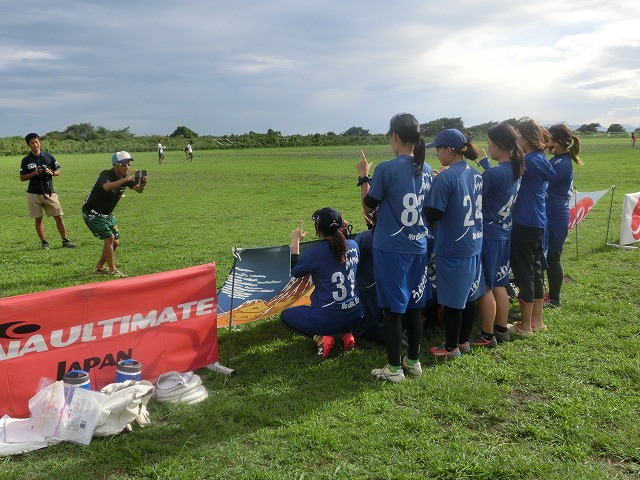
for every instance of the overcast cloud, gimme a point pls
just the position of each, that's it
(223, 67)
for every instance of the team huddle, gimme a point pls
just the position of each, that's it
(478, 231)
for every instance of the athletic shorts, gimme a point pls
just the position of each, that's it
(308, 320)
(102, 226)
(460, 280)
(495, 262)
(36, 203)
(401, 280)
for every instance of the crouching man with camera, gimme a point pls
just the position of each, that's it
(97, 210)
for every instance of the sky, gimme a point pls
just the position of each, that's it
(314, 66)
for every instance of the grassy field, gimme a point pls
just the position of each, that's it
(564, 403)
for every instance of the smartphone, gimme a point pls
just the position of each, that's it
(138, 176)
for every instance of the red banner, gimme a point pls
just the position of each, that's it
(166, 321)
(581, 203)
(630, 220)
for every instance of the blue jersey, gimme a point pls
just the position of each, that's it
(365, 279)
(400, 227)
(457, 191)
(529, 209)
(334, 283)
(559, 189)
(499, 190)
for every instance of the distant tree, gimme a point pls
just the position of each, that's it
(616, 128)
(589, 128)
(80, 131)
(183, 131)
(357, 131)
(431, 129)
(483, 127)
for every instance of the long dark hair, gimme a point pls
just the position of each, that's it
(328, 221)
(563, 135)
(505, 138)
(408, 129)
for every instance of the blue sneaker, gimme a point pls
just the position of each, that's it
(441, 351)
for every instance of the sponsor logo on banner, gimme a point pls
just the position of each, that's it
(580, 204)
(630, 220)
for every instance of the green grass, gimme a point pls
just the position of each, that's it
(563, 404)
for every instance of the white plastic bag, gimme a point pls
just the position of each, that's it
(125, 402)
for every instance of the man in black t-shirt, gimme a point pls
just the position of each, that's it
(97, 210)
(39, 168)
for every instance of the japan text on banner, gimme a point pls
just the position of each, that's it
(166, 321)
(260, 285)
(630, 222)
(581, 203)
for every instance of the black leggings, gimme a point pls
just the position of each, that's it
(393, 332)
(458, 324)
(555, 275)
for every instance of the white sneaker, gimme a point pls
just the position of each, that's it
(415, 369)
(385, 374)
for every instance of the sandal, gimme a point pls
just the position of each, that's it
(515, 329)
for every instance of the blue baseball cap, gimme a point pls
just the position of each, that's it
(451, 137)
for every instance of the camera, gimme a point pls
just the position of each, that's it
(138, 176)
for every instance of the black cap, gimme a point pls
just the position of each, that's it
(327, 219)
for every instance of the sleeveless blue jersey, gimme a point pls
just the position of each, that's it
(457, 191)
(400, 227)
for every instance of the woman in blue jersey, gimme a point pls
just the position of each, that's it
(335, 307)
(453, 209)
(529, 221)
(499, 188)
(565, 147)
(397, 189)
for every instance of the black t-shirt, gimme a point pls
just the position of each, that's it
(99, 200)
(43, 183)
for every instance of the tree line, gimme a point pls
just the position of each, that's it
(87, 138)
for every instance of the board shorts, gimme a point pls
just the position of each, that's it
(460, 280)
(401, 280)
(102, 226)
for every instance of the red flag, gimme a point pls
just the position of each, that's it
(581, 203)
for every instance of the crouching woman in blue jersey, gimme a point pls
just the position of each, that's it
(335, 307)
(453, 209)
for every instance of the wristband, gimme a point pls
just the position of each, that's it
(362, 180)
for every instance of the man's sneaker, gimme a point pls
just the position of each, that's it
(481, 341)
(414, 369)
(515, 329)
(385, 374)
(501, 336)
(348, 342)
(325, 344)
(45, 245)
(441, 351)
(66, 243)
(464, 347)
(117, 273)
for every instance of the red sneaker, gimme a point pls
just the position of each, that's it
(348, 342)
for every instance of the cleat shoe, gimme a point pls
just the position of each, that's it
(385, 374)
(45, 245)
(348, 342)
(482, 341)
(441, 351)
(66, 243)
(464, 347)
(515, 329)
(325, 344)
(414, 369)
(502, 336)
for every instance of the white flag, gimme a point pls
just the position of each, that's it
(581, 203)
(630, 222)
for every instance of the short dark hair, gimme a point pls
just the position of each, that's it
(30, 136)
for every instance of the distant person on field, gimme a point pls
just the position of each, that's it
(335, 307)
(39, 168)
(188, 152)
(97, 210)
(565, 147)
(161, 149)
(633, 140)
(499, 189)
(529, 221)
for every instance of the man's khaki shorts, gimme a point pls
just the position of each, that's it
(36, 203)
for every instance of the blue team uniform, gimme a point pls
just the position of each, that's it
(558, 195)
(335, 305)
(457, 191)
(399, 239)
(499, 191)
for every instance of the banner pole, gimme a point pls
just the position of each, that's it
(575, 209)
(236, 256)
(613, 189)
